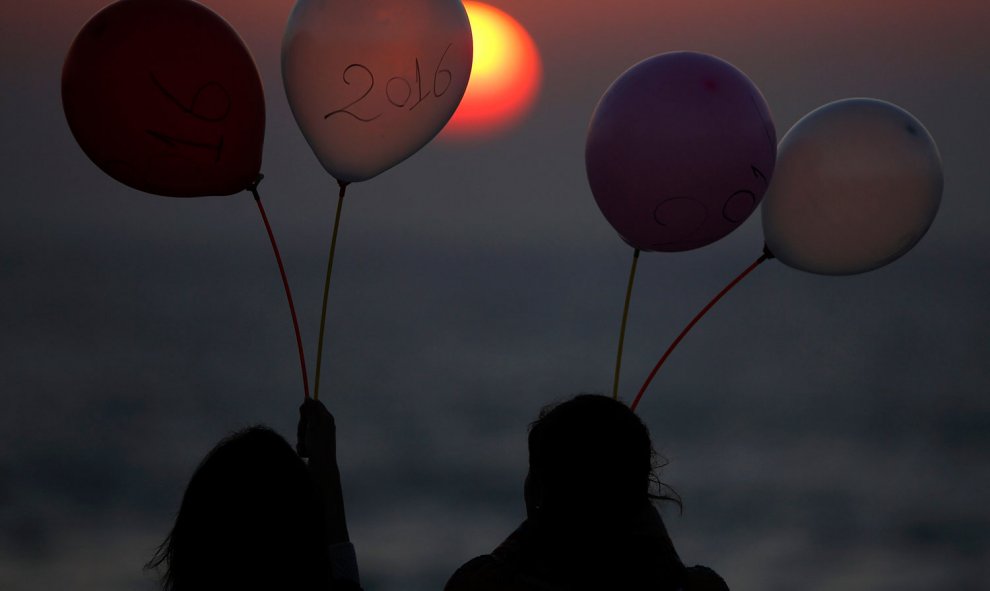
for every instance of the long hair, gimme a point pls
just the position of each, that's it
(249, 519)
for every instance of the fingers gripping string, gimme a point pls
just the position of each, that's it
(763, 257)
(622, 329)
(326, 286)
(253, 188)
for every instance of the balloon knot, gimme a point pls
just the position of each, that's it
(767, 254)
(253, 187)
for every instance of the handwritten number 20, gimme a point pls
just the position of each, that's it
(398, 90)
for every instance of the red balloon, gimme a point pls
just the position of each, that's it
(164, 97)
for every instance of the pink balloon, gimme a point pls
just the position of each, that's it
(370, 82)
(680, 151)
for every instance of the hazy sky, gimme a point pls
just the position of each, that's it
(825, 432)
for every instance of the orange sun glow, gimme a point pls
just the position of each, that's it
(505, 77)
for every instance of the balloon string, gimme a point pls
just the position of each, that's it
(285, 282)
(622, 329)
(763, 257)
(326, 287)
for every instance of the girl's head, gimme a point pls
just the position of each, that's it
(590, 459)
(249, 519)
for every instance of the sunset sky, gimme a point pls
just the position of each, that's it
(825, 433)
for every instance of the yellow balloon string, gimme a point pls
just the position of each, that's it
(326, 288)
(622, 330)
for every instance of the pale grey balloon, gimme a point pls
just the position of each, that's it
(858, 183)
(370, 82)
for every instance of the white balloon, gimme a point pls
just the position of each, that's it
(370, 82)
(858, 183)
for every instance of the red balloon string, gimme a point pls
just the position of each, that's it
(285, 281)
(763, 257)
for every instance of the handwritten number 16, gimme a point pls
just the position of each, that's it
(216, 112)
(398, 90)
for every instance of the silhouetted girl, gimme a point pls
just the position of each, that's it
(256, 516)
(591, 523)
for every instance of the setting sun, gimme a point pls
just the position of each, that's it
(505, 77)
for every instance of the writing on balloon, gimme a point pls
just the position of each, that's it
(211, 103)
(400, 92)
